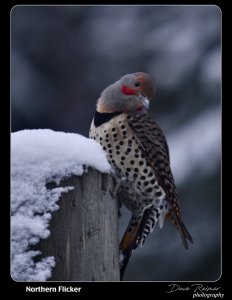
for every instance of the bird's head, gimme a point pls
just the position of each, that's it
(131, 94)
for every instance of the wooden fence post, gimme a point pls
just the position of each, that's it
(84, 231)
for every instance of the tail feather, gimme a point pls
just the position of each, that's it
(184, 234)
(130, 238)
(134, 232)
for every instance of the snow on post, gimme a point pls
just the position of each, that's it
(39, 158)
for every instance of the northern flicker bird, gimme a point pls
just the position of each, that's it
(138, 153)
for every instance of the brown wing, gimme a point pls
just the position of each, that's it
(155, 148)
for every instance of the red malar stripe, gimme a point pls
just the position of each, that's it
(127, 91)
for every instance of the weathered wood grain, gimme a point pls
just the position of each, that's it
(84, 231)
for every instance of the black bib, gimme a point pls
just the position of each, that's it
(101, 118)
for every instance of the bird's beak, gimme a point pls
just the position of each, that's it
(144, 101)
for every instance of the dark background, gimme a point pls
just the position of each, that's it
(62, 57)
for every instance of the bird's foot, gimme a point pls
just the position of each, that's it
(115, 189)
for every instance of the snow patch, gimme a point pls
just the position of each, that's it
(211, 68)
(38, 157)
(197, 146)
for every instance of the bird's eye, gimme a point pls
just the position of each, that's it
(137, 83)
